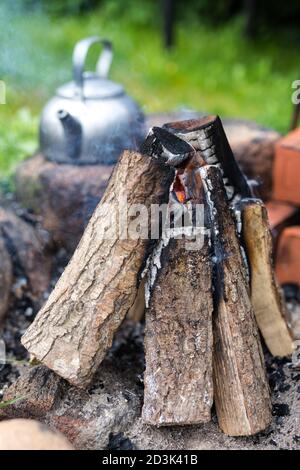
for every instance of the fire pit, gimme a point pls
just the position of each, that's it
(74, 330)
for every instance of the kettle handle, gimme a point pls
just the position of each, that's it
(79, 57)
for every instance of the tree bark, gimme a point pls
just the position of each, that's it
(240, 385)
(178, 336)
(266, 297)
(178, 339)
(72, 333)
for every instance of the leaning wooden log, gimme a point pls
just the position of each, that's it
(266, 297)
(178, 335)
(72, 333)
(240, 385)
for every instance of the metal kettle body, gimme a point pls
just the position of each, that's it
(90, 120)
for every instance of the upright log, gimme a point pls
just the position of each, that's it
(266, 297)
(72, 333)
(240, 385)
(178, 339)
(178, 335)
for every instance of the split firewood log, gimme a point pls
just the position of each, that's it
(72, 333)
(266, 298)
(178, 336)
(241, 390)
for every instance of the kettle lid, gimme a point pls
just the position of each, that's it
(91, 85)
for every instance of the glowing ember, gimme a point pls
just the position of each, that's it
(178, 188)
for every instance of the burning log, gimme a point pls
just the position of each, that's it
(240, 385)
(207, 136)
(266, 297)
(178, 336)
(72, 333)
(178, 339)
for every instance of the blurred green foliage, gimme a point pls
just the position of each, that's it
(213, 67)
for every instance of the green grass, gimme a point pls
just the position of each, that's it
(5, 404)
(211, 69)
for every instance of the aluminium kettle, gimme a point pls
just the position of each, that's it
(91, 119)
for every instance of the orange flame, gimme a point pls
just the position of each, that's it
(178, 188)
(180, 196)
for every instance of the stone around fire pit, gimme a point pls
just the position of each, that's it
(66, 195)
(31, 265)
(26, 434)
(6, 278)
(253, 147)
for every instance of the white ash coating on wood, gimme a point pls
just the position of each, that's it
(203, 140)
(240, 385)
(73, 331)
(153, 263)
(161, 143)
(178, 338)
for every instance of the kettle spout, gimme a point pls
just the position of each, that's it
(73, 133)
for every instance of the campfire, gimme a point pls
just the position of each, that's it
(202, 270)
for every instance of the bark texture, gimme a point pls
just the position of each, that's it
(240, 385)
(266, 297)
(72, 333)
(178, 339)
(178, 336)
